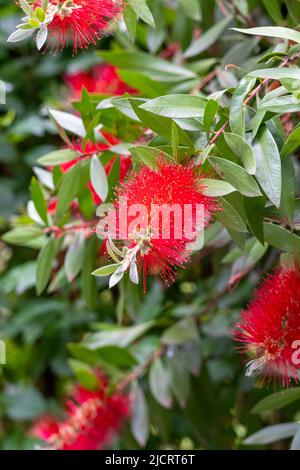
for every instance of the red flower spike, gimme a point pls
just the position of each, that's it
(173, 185)
(81, 22)
(270, 327)
(93, 418)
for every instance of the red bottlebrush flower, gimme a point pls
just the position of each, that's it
(102, 79)
(93, 418)
(270, 327)
(80, 22)
(154, 247)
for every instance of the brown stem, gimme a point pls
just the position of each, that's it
(137, 372)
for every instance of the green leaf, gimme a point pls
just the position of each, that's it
(176, 106)
(243, 150)
(207, 39)
(37, 195)
(175, 141)
(179, 377)
(281, 238)
(274, 9)
(277, 400)
(44, 265)
(113, 179)
(69, 122)
(143, 11)
(106, 270)
(121, 337)
(69, 189)
(58, 157)
(74, 258)
(213, 187)
(254, 211)
(273, 32)
(237, 112)
(210, 112)
(98, 178)
(154, 67)
(84, 374)
(161, 125)
(268, 165)
(130, 21)
(88, 282)
(20, 235)
(183, 331)
(292, 142)
(230, 218)
(141, 82)
(236, 176)
(159, 382)
(149, 156)
(139, 422)
(277, 73)
(273, 433)
(25, 7)
(287, 202)
(192, 8)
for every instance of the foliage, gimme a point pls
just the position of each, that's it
(215, 83)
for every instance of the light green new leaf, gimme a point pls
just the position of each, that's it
(106, 270)
(215, 188)
(74, 258)
(139, 422)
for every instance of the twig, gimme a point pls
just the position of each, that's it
(137, 372)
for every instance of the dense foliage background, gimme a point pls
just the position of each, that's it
(58, 324)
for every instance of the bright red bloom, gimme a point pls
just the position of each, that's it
(159, 249)
(93, 418)
(102, 79)
(81, 22)
(270, 327)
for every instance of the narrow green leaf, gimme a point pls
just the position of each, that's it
(277, 400)
(273, 32)
(44, 265)
(58, 157)
(69, 189)
(143, 11)
(74, 258)
(292, 142)
(98, 178)
(159, 382)
(106, 270)
(230, 218)
(236, 176)
(210, 112)
(140, 415)
(37, 195)
(207, 39)
(213, 187)
(268, 165)
(237, 112)
(243, 150)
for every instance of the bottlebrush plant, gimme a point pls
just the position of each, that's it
(160, 235)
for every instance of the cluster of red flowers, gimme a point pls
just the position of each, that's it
(93, 419)
(80, 22)
(102, 79)
(174, 185)
(270, 327)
